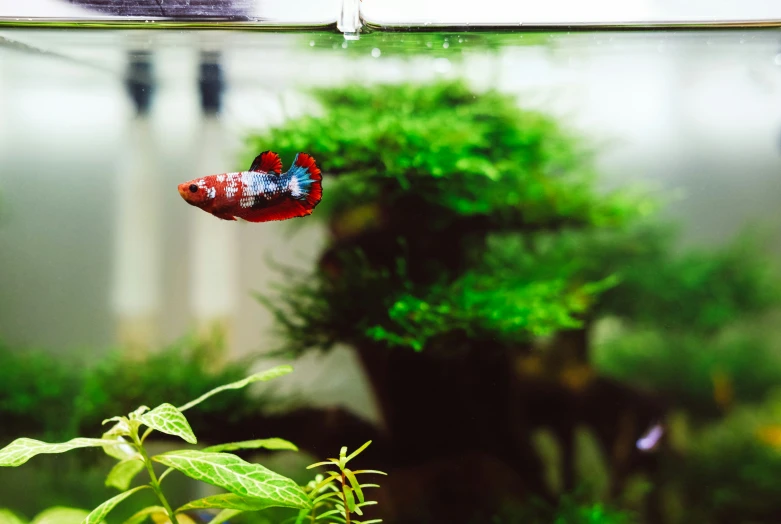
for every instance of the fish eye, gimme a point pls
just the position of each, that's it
(193, 188)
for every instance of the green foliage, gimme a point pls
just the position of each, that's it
(455, 165)
(489, 226)
(174, 374)
(32, 382)
(249, 486)
(687, 365)
(697, 291)
(731, 470)
(571, 509)
(339, 494)
(538, 299)
(35, 389)
(462, 152)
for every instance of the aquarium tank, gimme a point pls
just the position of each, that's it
(362, 261)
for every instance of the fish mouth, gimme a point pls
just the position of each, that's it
(183, 190)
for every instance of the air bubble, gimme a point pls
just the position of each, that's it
(445, 45)
(311, 43)
(376, 52)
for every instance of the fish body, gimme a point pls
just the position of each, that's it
(261, 194)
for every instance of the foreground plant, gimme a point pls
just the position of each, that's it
(338, 495)
(249, 487)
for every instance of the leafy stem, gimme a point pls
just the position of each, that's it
(154, 482)
(250, 487)
(344, 495)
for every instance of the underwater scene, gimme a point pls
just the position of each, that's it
(265, 277)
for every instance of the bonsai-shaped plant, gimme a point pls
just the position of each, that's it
(249, 487)
(466, 234)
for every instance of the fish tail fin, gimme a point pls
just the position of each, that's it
(305, 182)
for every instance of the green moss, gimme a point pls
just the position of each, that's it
(430, 172)
(462, 152)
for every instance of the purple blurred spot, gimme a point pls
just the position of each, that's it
(651, 437)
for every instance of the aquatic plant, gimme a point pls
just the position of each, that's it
(35, 389)
(339, 494)
(250, 487)
(471, 256)
(421, 179)
(729, 469)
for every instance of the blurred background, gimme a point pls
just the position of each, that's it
(103, 264)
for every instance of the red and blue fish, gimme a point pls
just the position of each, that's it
(261, 194)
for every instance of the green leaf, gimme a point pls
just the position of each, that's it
(263, 376)
(118, 420)
(23, 449)
(266, 443)
(9, 517)
(98, 514)
(329, 462)
(167, 419)
(224, 515)
(228, 501)
(124, 449)
(141, 516)
(357, 452)
(328, 514)
(350, 499)
(60, 515)
(237, 476)
(355, 484)
(121, 475)
(326, 497)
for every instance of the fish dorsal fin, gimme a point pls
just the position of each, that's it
(268, 162)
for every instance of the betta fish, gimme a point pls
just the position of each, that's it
(261, 194)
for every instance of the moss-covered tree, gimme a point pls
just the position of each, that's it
(470, 256)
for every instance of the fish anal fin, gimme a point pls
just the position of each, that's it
(285, 209)
(267, 162)
(224, 216)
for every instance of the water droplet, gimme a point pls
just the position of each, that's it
(777, 59)
(445, 45)
(344, 45)
(428, 44)
(311, 43)
(441, 65)
(376, 52)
